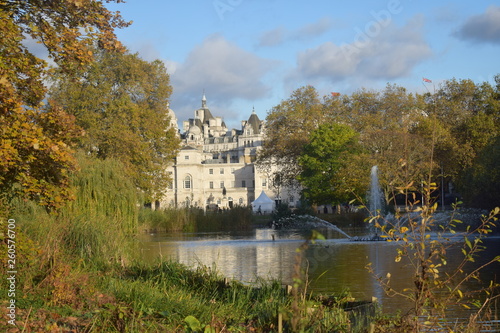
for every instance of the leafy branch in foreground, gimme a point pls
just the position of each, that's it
(438, 285)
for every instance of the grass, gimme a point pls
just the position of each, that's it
(85, 278)
(170, 292)
(79, 271)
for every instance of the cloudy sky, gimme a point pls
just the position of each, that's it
(249, 54)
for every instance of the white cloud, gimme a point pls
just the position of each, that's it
(314, 29)
(224, 71)
(273, 37)
(379, 53)
(146, 50)
(281, 35)
(484, 28)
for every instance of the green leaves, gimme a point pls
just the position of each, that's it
(122, 104)
(328, 151)
(288, 126)
(194, 325)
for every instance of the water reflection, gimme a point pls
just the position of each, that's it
(333, 265)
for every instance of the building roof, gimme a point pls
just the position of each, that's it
(255, 122)
(207, 115)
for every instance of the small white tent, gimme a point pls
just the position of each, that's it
(263, 204)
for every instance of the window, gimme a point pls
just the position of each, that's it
(211, 184)
(240, 201)
(211, 171)
(221, 171)
(186, 157)
(221, 184)
(187, 182)
(243, 183)
(264, 182)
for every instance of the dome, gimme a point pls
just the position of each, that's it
(194, 130)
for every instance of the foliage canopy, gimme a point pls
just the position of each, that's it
(328, 153)
(121, 101)
(36, 158)
(406, 135)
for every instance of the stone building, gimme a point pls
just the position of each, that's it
(215, 167)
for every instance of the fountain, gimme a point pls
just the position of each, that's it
(375, 206)
(375, 199)
(306, 222)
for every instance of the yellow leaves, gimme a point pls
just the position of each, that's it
(4, 80)
(399, 256)
(433, 269)
(495, 211)
(77, 3)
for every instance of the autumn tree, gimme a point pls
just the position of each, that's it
(288, 126)
(463, 119)
(482, 181)
(121, 101)
(35, 154)
(385, 120)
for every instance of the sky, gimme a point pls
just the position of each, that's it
(250, 55)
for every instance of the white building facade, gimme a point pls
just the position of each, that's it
(215, 167)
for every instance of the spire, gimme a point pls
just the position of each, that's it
(204, 100)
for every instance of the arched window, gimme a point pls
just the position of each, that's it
(187, 182)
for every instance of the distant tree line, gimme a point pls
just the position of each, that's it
(447, 136)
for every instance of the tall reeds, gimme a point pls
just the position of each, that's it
(195, 219)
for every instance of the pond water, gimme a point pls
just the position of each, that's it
(334, 265)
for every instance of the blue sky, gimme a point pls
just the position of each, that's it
(249, 54)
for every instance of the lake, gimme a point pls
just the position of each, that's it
(335, 265)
